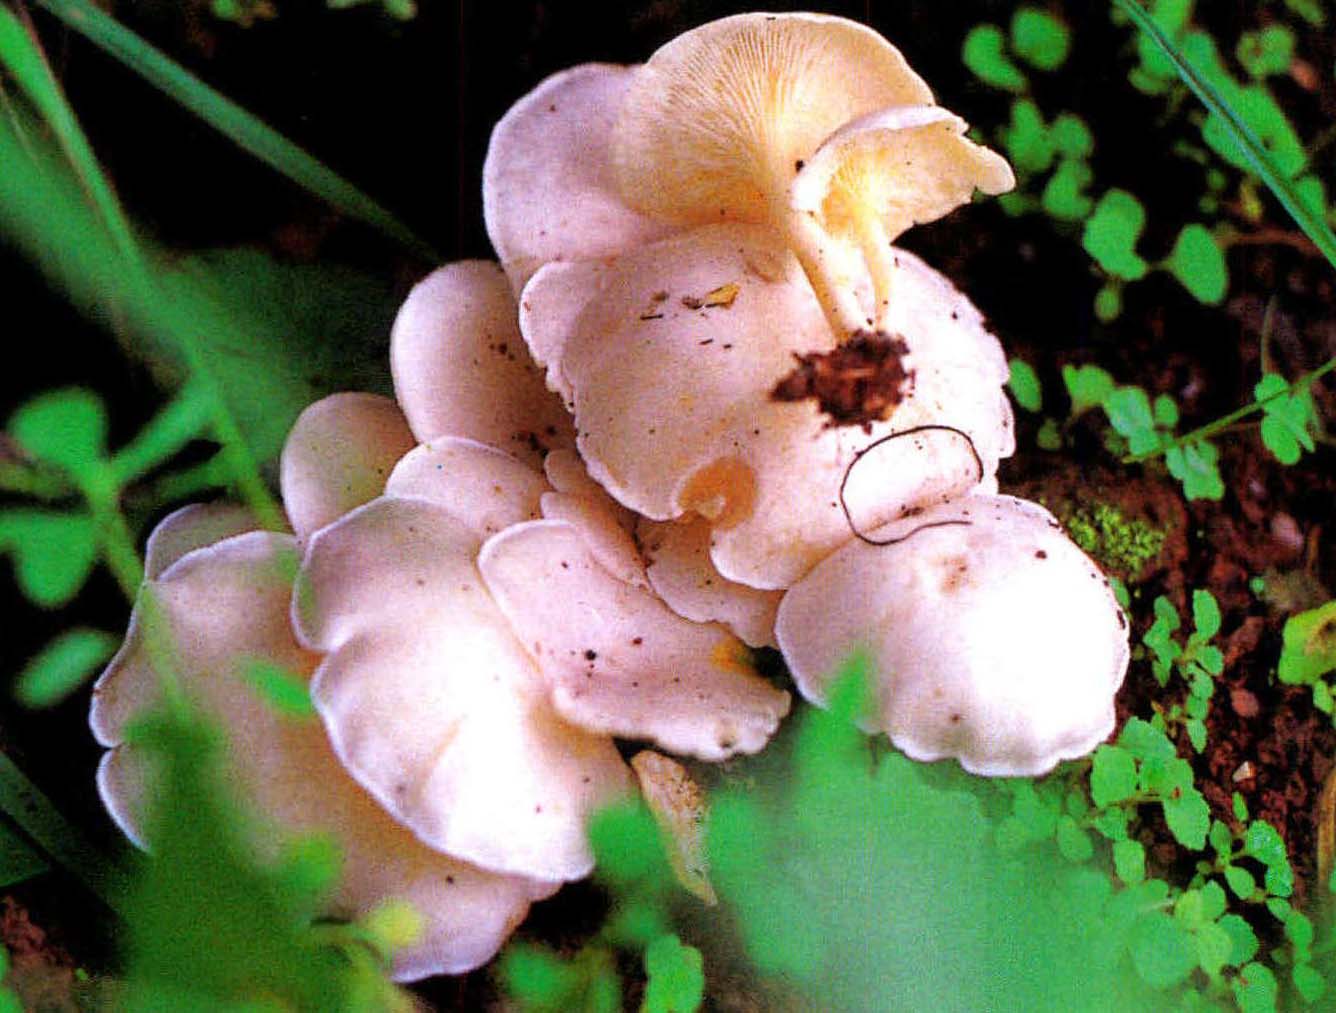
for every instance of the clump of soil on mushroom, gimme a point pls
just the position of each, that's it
(857, 383)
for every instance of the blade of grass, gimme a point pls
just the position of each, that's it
(232, 120)
(1313, 225)
(26, 62)
(39, 819)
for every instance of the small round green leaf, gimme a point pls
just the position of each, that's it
(1024, 385)
(1163, 951)
(63, 666)
(1112, 232)
(985, 55)
(67, 428)
(1039, 38)
(1129, 861)
(676, 977)
(1113, 775)
(1199, 264)
(1241, 881)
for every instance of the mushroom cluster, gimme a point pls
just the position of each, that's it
(702, 406)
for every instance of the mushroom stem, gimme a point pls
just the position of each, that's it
(820, 259)
(876, 248)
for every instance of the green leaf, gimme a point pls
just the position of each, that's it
(539, 979)
(1241, 881)
(1279, 880)
(1024, 385)
(1213, 900)
(283, 691)
(1111, 235)
(1109, 302)
(1308, 646)
(1310, 10)
(1144, 741)
(1189, 817)
(1129, 861)
(984, 54)
(1071, 137)
(63, 666)
(1087, 386)
(1049, 436)
(1163, 952)
(54, 553)
(1195, 465)
(627, 845)
(19, 860)
(1309, 982)
(676, 977)
(1039, 38)
(1269, 51)
(1205, 614)
(1197, 734)
(1214, 946)
(1113, 775)
(1248, 143)
(1129, 412)
(1074, 844)
(1064, 197)
(1290, 417)
(67, 428)
(1027, 139)
(1198, 262)
(230, 119)
(1263, 842)
(1243, 937)
(1255, 989)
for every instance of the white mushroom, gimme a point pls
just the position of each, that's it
(338, 456)
(672, 397)
(223, 607)
(547, 187)
(460, 367)
(993, 638)
(721, 123)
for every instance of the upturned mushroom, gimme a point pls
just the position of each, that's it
(992, 638)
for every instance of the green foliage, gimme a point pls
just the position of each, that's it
(1289, 418)
(1198, 262)
(285, 692)
(676, 977)
(1087, 387)
(210, 926)
(1120, 545)
(1266, 52)
(1112, 232)
(542, 982)
(1024, 386)
(63, 666)
(1039, 38)
(984, 53)
(53, 552)
(1308, 654)
(1149, 431)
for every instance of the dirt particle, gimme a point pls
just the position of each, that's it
(856, 384)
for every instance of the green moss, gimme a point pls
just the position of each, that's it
(1120, 545)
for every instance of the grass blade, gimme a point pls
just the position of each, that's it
(26, 63)
(37, 817)
(1312, 224)
(231, 120)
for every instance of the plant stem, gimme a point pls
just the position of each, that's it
(1220, 424)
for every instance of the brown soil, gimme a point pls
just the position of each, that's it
(856, 384)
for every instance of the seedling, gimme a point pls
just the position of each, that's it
(1308, 654)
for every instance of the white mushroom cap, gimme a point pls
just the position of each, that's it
(683, 575)
(618, 661)
(675, 416)
(993, 638)
(547, 187)
(434, 706)
(338, 456)
(225, 605)
(460, 367)
(715, 123)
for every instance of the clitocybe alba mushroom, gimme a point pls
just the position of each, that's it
(722, 123)
(223, 605)
(672, 396)
(993, 638)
